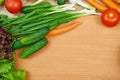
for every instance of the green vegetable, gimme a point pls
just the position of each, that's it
(54, 23)
(29, 50)
(3, 18)
(35, 15)
(17, 45)
(12, 21)
(31, 38)
(61, 2)
(17, 35)
(22, 28)
(5, 66)
(29, 8)
(7, 71)
(42, 22)
(1, 2)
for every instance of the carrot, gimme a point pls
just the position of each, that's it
(117, 1)
(97, 5)
(61, 30)
(111, 4)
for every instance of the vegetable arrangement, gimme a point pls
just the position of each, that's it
(31, 30)
(7, 71)
(110, 14)
(44, 17)
(38, 22)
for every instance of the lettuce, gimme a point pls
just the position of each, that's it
(7, 71)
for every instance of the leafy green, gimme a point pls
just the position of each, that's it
(7, 71)
(6, 65)
(14, 75)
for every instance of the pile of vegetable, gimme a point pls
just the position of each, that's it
(110, 11)
(31, 29)
(7, 71)
(36, 22)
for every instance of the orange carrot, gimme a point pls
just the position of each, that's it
(111, 4)
(117, 1)
(61, 30)
(97, 5)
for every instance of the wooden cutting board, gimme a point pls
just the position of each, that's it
(89, 52)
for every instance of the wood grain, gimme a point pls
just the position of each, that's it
(89, 52)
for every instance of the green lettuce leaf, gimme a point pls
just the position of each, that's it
(7, 71)
(14, 75)
(6, 65)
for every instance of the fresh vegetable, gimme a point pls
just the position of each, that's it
(27, 33)
(29, 50)
(83, 4)
(7, 71)
(41, 22)
(29, 8)
(3, 18)
(5, 41)
(63, 29)
(13, 6)
(110, 17)
(61, 2)
(1, 2)
(24, 19)
(97, 5)
(30, 38)
(111, 4)
(117, 1)
(17, 45)
(47, 21)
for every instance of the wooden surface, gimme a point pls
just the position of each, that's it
(89, 52)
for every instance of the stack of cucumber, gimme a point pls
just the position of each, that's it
(30, 28)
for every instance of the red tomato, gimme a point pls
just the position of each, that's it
(110, 17)
(13, 6)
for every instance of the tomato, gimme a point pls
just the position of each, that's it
(13, 6)
(110, 17)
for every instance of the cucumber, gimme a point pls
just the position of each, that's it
(61, 2)
(17, 45)
(31, 38)
(29, 50)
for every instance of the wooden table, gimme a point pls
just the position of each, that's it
(89, 52)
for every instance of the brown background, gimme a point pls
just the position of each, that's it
(89, 52)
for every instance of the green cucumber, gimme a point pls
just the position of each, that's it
(31, 38)
(29, 50)
(17, 45)
(61, 2)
